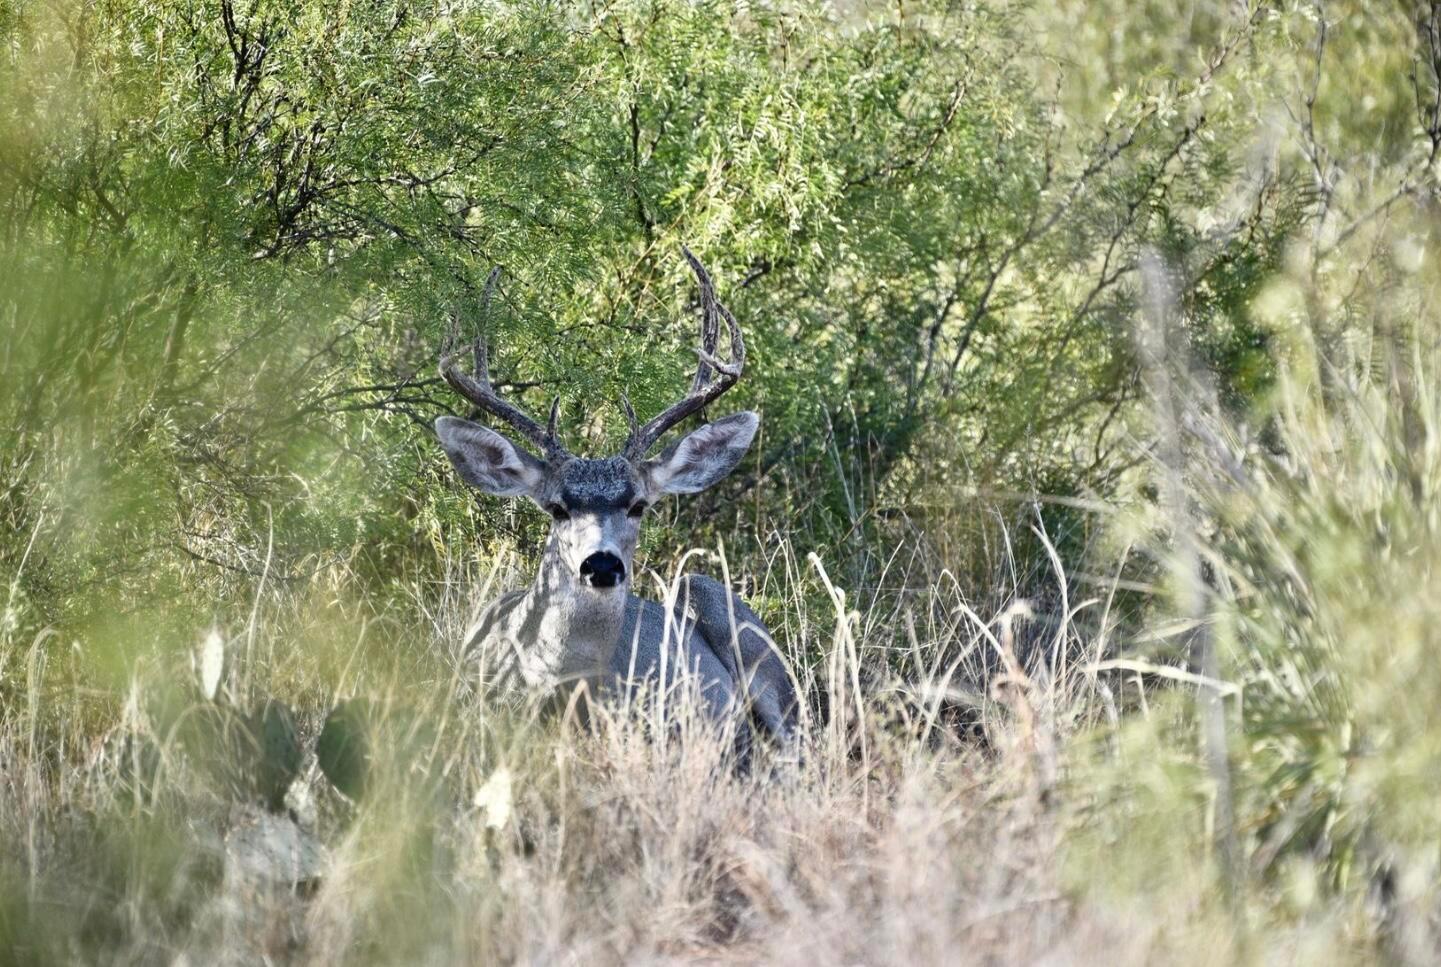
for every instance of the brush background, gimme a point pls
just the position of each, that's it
(1010, 484)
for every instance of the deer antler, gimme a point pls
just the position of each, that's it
(712, 377)
(478, 389)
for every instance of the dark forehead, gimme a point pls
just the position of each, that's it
(598, 483)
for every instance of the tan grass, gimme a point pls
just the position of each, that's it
(496, 836)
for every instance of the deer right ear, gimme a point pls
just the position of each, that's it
(489, 461)
(701, 457)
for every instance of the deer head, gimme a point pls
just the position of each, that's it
(597, 505)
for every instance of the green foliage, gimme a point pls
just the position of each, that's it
(232, 240)
(233, 244)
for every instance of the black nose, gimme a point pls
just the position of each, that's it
(602, 570)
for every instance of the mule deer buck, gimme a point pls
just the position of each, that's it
(578, 621)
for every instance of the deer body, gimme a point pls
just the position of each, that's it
(526, 642)
(577, 622)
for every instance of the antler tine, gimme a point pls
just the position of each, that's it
(550, 434)
(482, 363)
(630, 418)
(478, 389)
(709, 324)
(712, 377)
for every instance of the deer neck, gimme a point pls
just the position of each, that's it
(577, 626)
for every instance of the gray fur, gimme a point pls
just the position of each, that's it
(487, 460)
(595, 485)
(744, 645)
(700, 459)
(561, 631)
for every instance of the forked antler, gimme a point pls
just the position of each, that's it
(712, 377)
(478, 389)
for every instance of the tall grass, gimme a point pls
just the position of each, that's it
(1002, 756)
(493, 834)
(1003, 759)
(1006, 785)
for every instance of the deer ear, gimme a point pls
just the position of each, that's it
(487, 460)
(702, 457)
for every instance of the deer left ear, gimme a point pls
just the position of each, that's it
(702, 457)
(487, 460)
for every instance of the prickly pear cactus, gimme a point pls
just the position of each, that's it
(343, 750)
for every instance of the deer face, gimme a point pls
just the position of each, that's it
(596, 506)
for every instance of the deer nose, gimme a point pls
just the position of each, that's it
(602, 570)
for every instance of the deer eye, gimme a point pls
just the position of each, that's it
(637, 509)
(559, 512)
